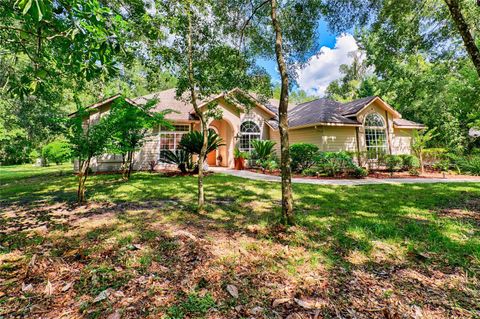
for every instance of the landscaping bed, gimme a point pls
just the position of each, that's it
(379, 174)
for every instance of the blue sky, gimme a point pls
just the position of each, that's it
(322, 67)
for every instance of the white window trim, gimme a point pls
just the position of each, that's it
(376, 149)
(175, 137)
(250, 134)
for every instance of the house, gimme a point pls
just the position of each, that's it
(368, 125)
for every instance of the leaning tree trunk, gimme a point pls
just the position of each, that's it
(464, 29)
(203, 121)
(286, 170)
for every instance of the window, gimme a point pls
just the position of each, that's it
(170, 139)
(375, 136)
(249, 131)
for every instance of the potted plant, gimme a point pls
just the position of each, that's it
(239, 159)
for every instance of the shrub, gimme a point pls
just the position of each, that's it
(269, 165)
(192, 142)
(57, 152)
(263, 149)
(359, 172)
(470, 165)
(393, 162)
(409, 162)
(334, 163)
(303, 156)
(442, 166)
(432, 155)
(33, 156)
(312, 171)
(414, 171)
(239, 154)
(181, 158)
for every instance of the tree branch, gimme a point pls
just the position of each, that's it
(247, 22)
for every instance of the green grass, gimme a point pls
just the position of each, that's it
(370, 227)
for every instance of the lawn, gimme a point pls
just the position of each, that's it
(139, 249)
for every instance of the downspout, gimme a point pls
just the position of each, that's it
(388, 134)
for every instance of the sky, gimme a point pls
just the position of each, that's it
(322, 67)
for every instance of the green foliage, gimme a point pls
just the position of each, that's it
(334, 163)
(239, 154)
(192, 142)
(359, 172)
(263, 149)
(470, 165)
(181, 158)
(393, 163)
(347, 88)
(57, 152)
(295, 97)
(409, 162)
(442, 165)
(88, 138)
(194, 306)
(131, 124)
(303, 156)
(432, 155)
(80, 39)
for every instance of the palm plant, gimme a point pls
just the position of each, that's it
(180, 157)
(263, 149)
(192, 142)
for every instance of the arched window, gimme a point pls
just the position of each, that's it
(375, 135)
(249, 131)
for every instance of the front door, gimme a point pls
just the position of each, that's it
(212, 158)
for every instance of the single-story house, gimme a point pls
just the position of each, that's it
(367, 125)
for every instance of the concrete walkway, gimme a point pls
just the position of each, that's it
(366, 181)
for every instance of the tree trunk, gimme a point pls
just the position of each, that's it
(130, 164)
(464, 29)
(204, 128)
(420, 158)
(287, 197)
(82, 178)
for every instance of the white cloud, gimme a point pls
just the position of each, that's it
(322, 68)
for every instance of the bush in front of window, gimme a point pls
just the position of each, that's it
(393, 163)
(303, 156)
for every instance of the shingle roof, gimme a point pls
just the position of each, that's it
(354, 106)
(403, 122)
(167, 100)
(318, 111)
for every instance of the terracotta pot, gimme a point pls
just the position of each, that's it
(239, 163)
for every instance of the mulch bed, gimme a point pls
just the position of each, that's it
(378, 174)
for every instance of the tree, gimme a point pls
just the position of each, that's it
(88, 137)
(420, 141)
(454, 6)
(204, 65)
(435, 28)
(131, 123)
(287, 31)
(60, 39)
(347, 87)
